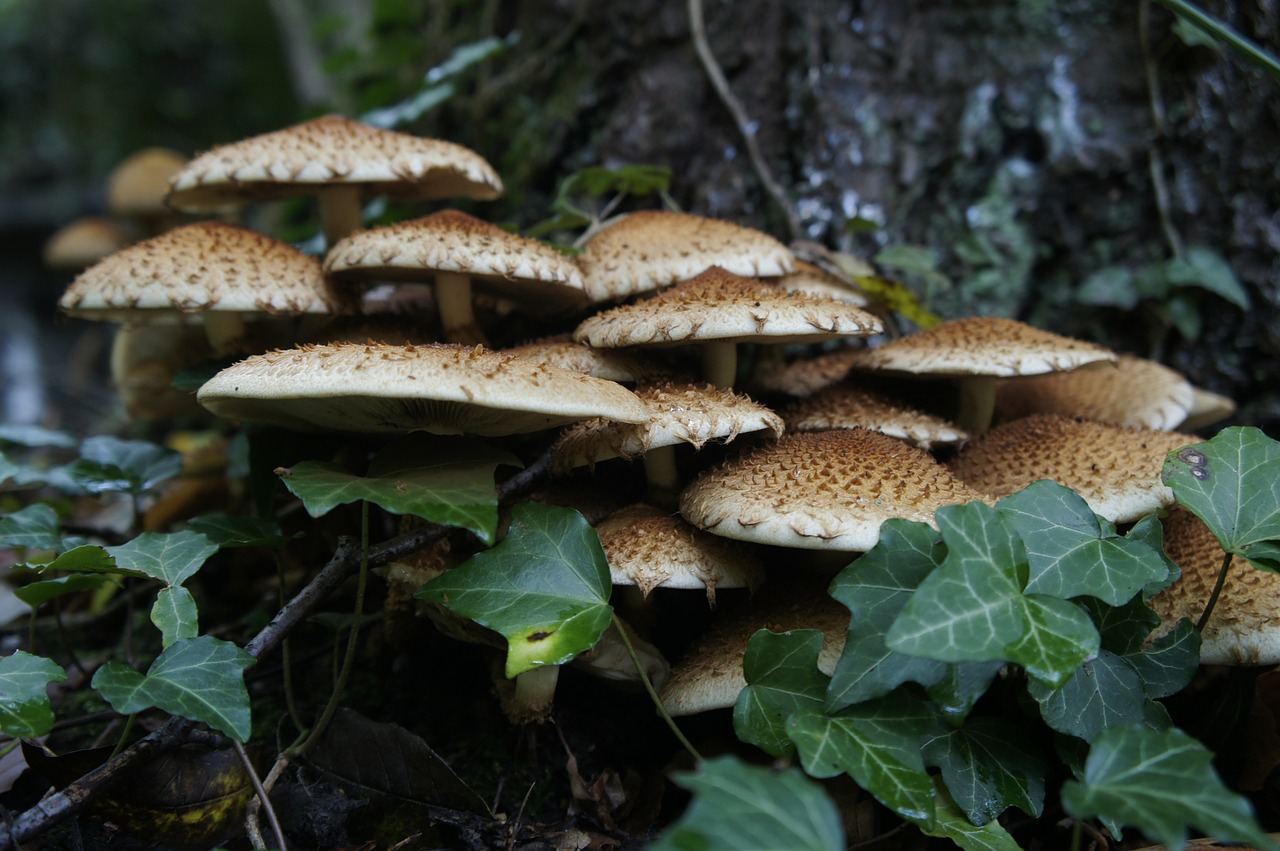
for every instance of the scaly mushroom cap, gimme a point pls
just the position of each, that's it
(332, 150)
(814, 280)
(1138, 392)
(679, 412)
(849, 406)
(380, 388)
(200, 267)
(1244, 628)
(83, 242)
(524, 270)
(805, 377)
(563, 352)
(720, 305)
(821, 490)
(651, 249)
(1115, 469)
(984, 345)
(710, 675)
(651, 548)
(137, 186)
(1207, 408)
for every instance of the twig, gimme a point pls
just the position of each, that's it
(1155, 160)
(252, 823)
(653, 694)
(698, 31)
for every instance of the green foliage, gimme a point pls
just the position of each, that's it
(35, 527)
(576, 203)
(25, 711)
(198, 678)
(737, 806)
(445, 480)
(1161, 782)
(782, 679)
(437, 86)
(108, 464)
(545, 587)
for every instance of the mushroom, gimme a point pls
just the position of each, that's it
(717, 310)
(621, 365)
(846, 405)
(976, 351)
(460, 251)
(814, 280)
(137, 186)
(339, 161)
(78, 245)
(652, 249)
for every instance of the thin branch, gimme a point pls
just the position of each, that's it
(264, 801)
(1155, 160)
(698, 31)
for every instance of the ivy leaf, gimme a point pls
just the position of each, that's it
(949, 822)
(989, 766)
(230, 532)
(1110, 286)
(174, 614)
(197, 678)
(35, 436)
(782, 678)
(87, 558)
(736, 806)
(1124, 629)
(36, 594)
(110, 464)
(1168, 665)
(1207, 270)
(545, 587)
(877, 744)
(445, 480)
(1105, 692)
(1232, 483)
(25, 711)
(22, 474)
(1163, 783)
(1059, 637)
(34, 528)
(171, 557)
(1072, 552)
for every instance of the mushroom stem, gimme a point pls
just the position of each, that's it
(662, 480)
(535, 692)
(340, 213)
(720, 363)
(977, 403)
(453, 298)
(225, 330)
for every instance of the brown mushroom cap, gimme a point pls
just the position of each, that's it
(1207, 408)
(380, 388)
(651, 548)
(806, 376)
(1115, 469)
(846, 405)
(651, 249)
(326, 151)
(710, 675)
(83, 242)
(679, 412)
(563, 352)
(1244, 628)
(138, 184)
(821, 490)
(207, 266)
(1138, 392)
(524, 270)
(814, 280)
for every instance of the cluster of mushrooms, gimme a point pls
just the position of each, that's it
(657, 307)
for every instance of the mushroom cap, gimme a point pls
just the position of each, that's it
(199, 267)
(821, 490)
(329, 150)
(1115, 469)
(563, 352)
(1138, 392)
(381, 388)
(847, 405)
(806, 376)
(651, 548)
(1207, 408)
(710, 674)
(814, 280)
(719, 305)
(679, 412)
(138, 184)
(1244, 628)
(514, 266)
(982, 345)
(83, 242)
(651, 249)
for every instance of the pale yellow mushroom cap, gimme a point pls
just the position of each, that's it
(846, 405)
(138, 184)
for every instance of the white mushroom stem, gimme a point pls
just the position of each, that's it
(662, 480)
(977, 403)
(453, 298)
(340, 213)
(225, 330)
(535, 692)
(720, 363)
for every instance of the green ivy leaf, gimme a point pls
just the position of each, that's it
(174, 614)
(1110, 286)
(949, 822)
(1105, 692)
(35, 436)
(1232, 483)
(25, 711)
(171, 557)
(445, 480)
(36, 594)
(782, 678)
(21, 474)
(545, 588)
(34, 528)
(1206, 269)
(1163, 783)
(197, 678)
(1059, 637)
(87, 558)
(989, 765)
(1072, 552)
(877, 744)
(737, 806)
(231, 532)
(109, 464)
(1124, 629)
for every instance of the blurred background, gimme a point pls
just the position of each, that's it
(1097, 168)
